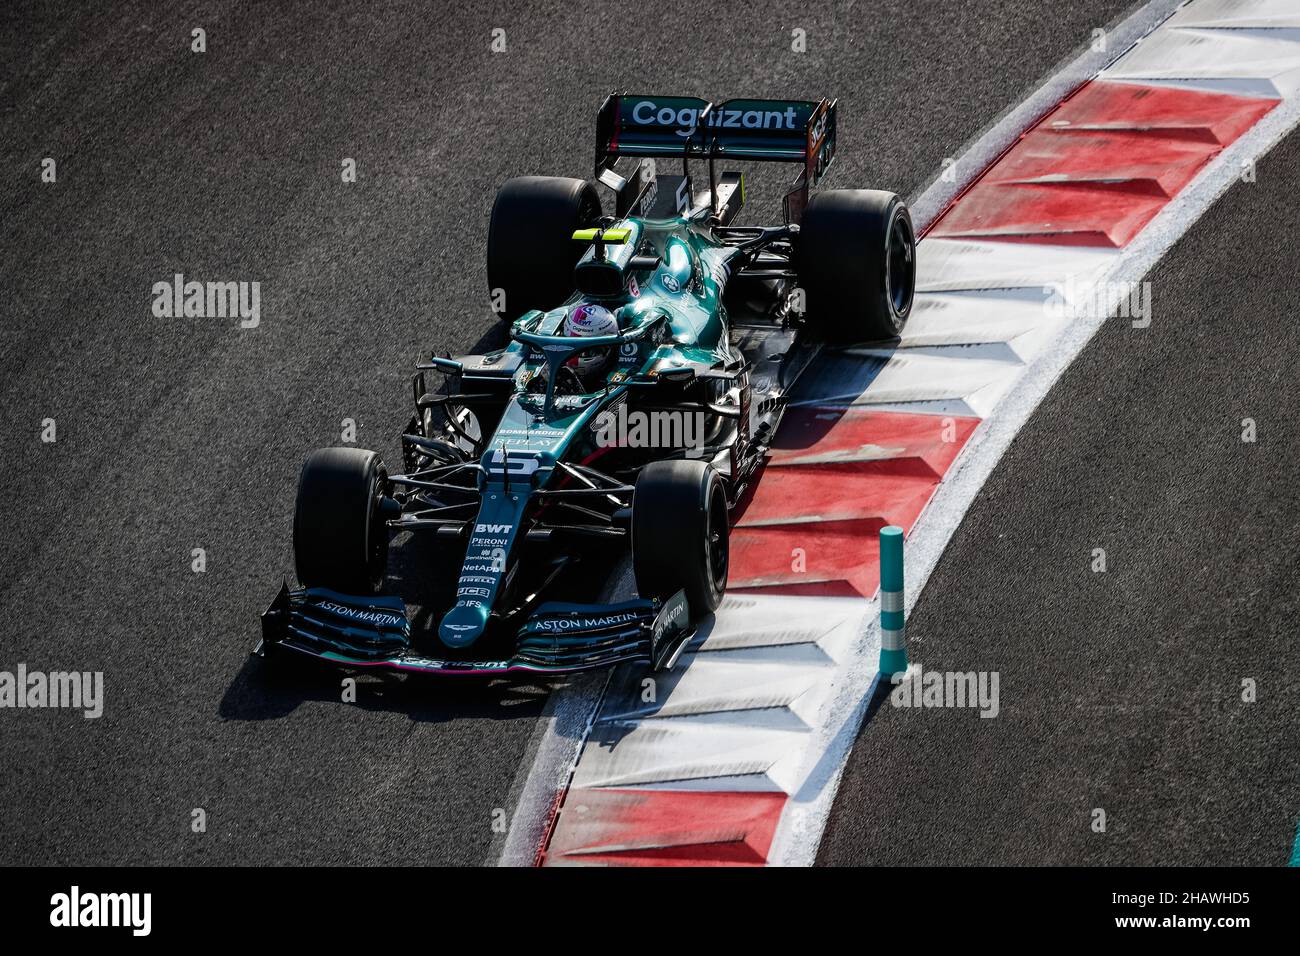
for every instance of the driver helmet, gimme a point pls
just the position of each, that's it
(585, 321)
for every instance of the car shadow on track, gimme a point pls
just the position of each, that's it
(259, 692)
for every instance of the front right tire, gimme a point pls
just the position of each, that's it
(340, 538)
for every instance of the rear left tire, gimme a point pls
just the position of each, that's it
(531, 251)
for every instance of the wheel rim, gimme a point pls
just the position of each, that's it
(377, 534)
(900, 268)
(717, 541)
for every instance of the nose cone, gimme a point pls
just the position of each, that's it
(462, 625)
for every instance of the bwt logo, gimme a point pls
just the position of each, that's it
(75, 909)
(647, 113)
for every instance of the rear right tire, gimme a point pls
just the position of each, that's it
(856, 261)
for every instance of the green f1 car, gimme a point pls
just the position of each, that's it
(650, 357)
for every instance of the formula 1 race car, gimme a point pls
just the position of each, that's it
(650, 358)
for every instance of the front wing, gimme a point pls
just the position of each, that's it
(374, 632)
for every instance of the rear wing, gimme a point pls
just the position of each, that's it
(786, 131)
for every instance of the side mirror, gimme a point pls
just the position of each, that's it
(686, 374)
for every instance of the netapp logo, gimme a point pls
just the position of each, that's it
(647, 113)
(74, 909)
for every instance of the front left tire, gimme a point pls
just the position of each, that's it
(680, 533)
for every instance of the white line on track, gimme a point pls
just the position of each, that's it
(561, 732)
(544, 774)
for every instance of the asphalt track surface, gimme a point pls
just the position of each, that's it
(1123, 690)
(188, 433)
